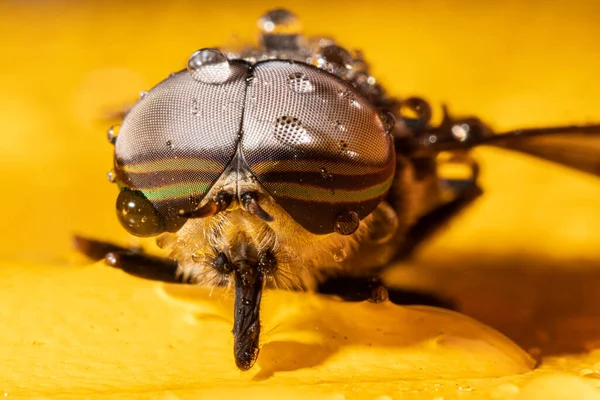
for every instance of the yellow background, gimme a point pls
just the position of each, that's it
(524, 259)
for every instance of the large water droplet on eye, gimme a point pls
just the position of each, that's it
(143, 94)
(335, 60)
(298, 82)
(339, 255)
(137, 214)
(112, 133)
(209, 66)
(279, 21)
(346, 223)
(388, 120)
(289, 131)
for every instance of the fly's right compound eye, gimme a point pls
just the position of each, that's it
(176, 142)
(317, 145)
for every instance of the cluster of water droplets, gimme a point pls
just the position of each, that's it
(281, 38)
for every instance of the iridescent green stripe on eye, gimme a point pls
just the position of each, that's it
(309, 166)
(177, 191)
(171, 164)
(327, 195)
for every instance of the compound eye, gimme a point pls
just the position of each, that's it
(137, 214)
(317, 145)
(174, 145)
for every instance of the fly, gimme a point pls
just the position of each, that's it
(287, 166)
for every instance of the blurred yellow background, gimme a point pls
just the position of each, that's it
(66, 65)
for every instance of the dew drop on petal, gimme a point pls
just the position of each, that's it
(209, 66)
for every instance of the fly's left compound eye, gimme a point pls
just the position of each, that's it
(317, 145)
(176, 142)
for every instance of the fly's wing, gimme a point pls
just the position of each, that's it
(577, 147)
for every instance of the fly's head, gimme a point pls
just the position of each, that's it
(259, 168)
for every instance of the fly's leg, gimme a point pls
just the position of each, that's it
(465, 191)
(131, 261)
(371, 288)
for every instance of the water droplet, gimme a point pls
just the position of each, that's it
(339, 255)
(180, 242)
(143, 94)
(388, 120)
(169, 144)
(246, 301)
(340, 127)
(209, 66)
(198, 256)
(298, 82)
(326, 175)
(348, 96)
(460, 132)
(279, 21)
(289, 130)
(343, 147)
(112, 133)
(111, 176)
(346, 223)
(172, 74)
(335, 60)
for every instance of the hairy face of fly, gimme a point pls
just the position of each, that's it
(248, 248)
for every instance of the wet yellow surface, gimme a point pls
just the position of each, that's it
(523, 260)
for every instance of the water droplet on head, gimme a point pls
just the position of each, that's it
(340, 127)
(198, 256)
(279, 21)
(169, 144)
(343, 147)
(289, 130)
(209, 66)
(326, 175)
(335, 60)
(112, 133)
(298, 82)
(339, 255)
(143, 94)
(111, 176)
(388, 120)
(246, 301)
(346, 223)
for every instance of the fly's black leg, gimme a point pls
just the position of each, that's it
(432, 222)
(131, 261)
(352, 288)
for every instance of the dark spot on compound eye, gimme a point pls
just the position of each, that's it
(267, 263)
(222, 264)
(346, 223)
